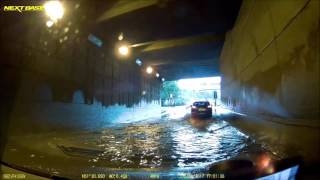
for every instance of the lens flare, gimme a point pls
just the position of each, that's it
(120, 37)
(49, 23)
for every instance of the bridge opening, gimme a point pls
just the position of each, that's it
(186, 91)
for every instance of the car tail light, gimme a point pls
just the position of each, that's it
(193, 107)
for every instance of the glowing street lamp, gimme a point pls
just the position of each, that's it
(163, 79)
(123, 50)
(54, 10)
(149, 70)
(157, 75)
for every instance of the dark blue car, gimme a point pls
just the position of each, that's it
(201, 109)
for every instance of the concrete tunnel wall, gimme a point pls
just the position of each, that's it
(270, 59)
(270, 71)
(53, 78)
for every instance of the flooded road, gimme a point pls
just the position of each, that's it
(174, 142)
(167, 144)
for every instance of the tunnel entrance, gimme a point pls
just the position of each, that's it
(186, 91)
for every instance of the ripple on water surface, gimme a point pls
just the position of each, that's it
(167, 145)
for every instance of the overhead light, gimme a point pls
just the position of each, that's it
(149, 70)
(157, 75)
(54, 10)
(139, 62)
(163, 79)
(123, 50)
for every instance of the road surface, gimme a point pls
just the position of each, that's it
(174, 143)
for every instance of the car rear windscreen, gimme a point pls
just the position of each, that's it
(201, 103)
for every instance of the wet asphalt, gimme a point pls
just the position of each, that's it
(173, 143)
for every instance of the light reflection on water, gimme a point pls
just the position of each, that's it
(167, 144)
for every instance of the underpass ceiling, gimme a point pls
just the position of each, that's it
(179, 38)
